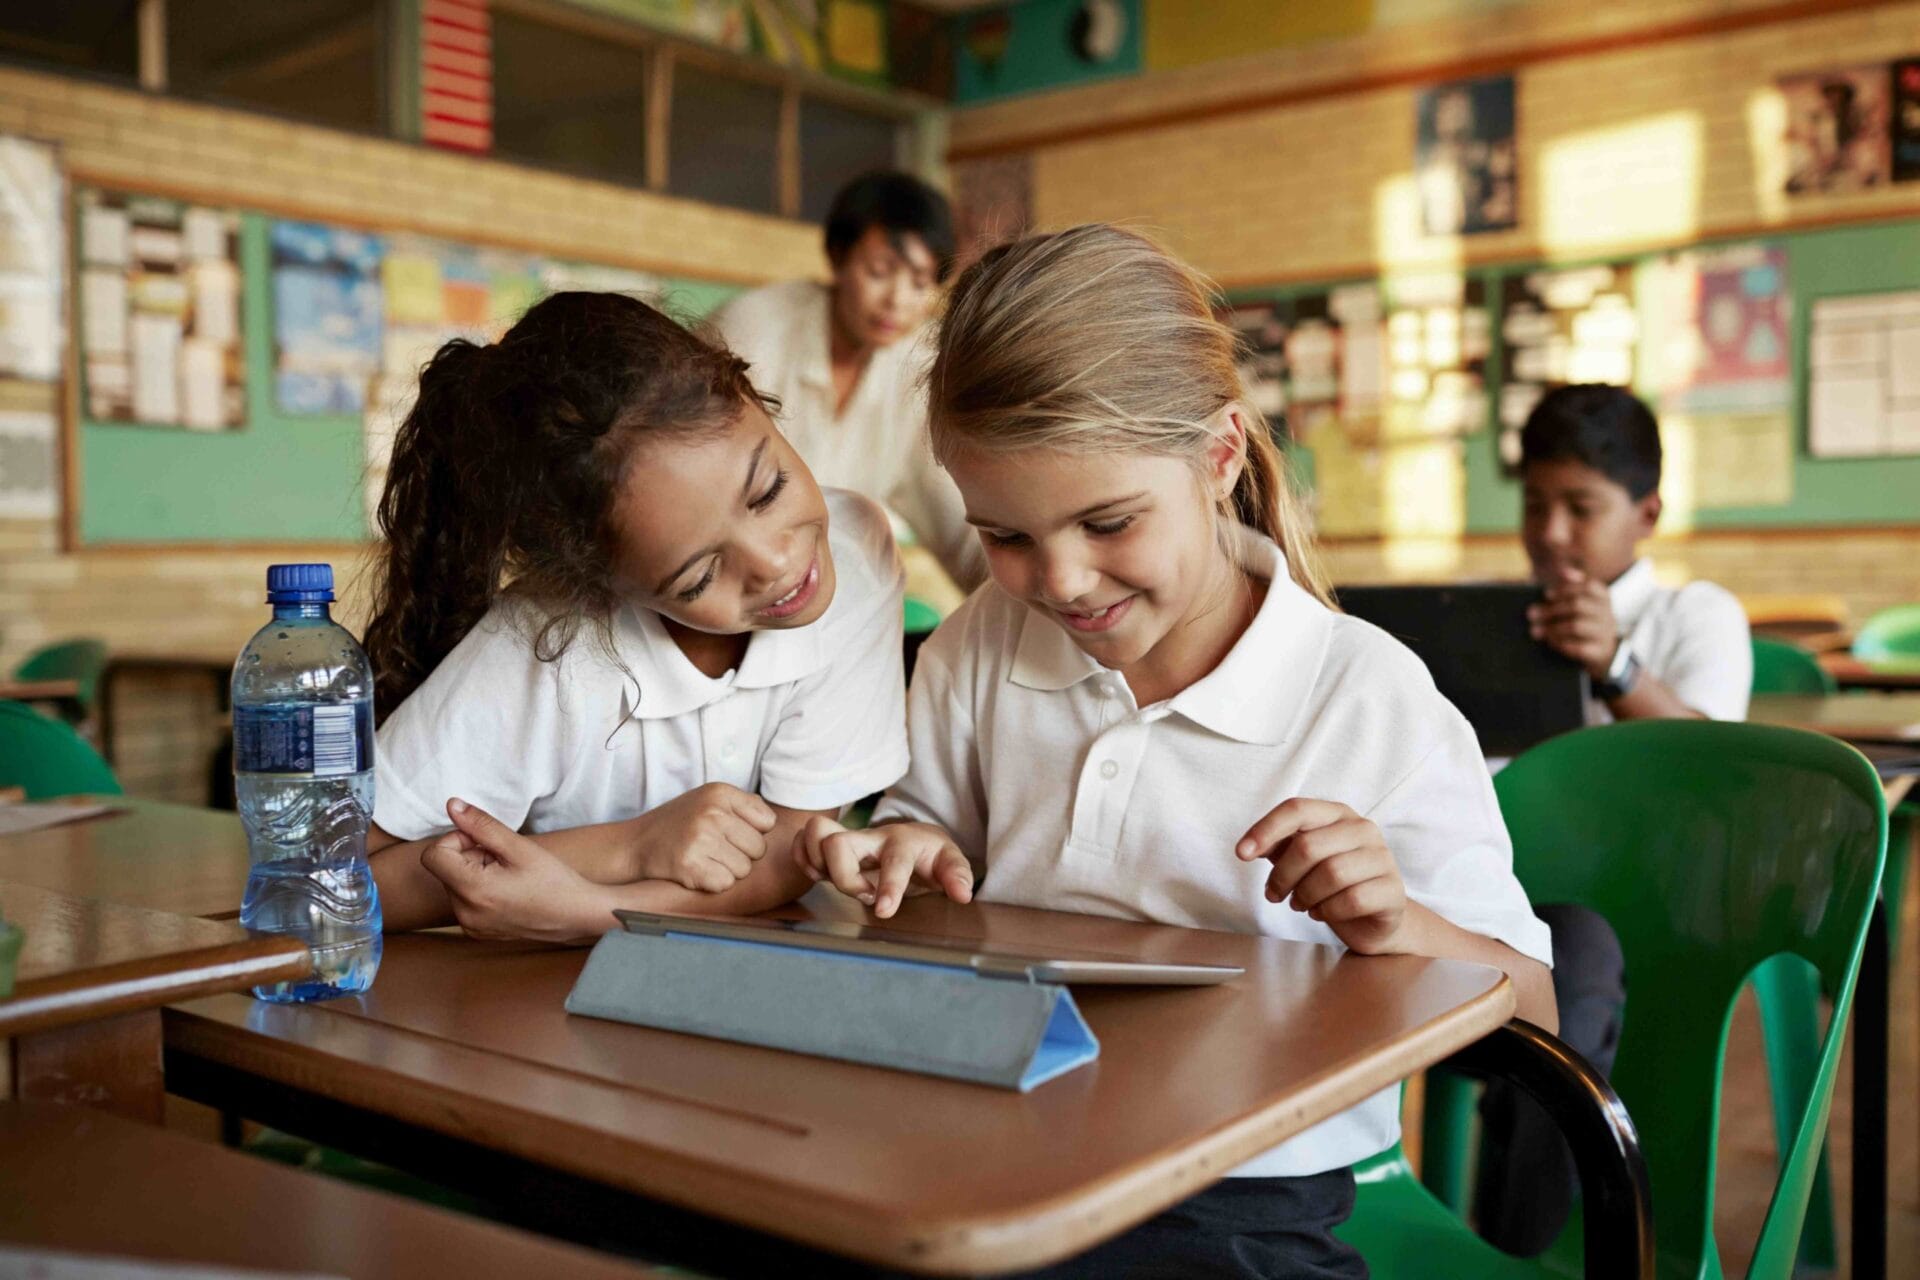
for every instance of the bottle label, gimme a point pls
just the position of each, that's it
(325, 741)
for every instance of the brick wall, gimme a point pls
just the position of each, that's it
(1318, 184)
(208, 601)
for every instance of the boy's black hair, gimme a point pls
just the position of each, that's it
(899, 204)
(1607, 428)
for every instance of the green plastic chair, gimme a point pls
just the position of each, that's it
(47, 757)
(1779, 667)
(1892, 635)
(1710, 848)
(81, 661)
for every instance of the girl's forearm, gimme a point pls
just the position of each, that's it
(1433, 935)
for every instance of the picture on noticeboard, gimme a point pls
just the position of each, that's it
(1837, 129)
(1465, 159)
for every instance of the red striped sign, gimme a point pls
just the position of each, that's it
(456, 74)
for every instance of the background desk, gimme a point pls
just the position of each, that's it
(1852, 717)
(163, 857)
(79, 1180)
(84, 1016)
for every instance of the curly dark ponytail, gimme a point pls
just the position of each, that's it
(505, 472)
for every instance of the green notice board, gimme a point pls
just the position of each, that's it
(280, 478)
(1831, 492)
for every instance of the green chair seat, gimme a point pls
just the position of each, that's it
(1890, 636)
(47, 758)
(1779, 667)
(81, 661)
(1712, 849)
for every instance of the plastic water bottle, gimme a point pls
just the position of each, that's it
(303, 776)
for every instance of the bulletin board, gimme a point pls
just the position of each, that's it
(1844, 261)
(278, 477)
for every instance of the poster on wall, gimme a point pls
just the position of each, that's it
(431, 292)
(29, 451)
(1262, 331)
(1439, 335)
(1905, 131)
(33, 259)
(1863, 376)
(1717, 356)
(327, 317)
(159, 312)
(1837, 129)
(1718, 328)
(1562, 326)
(1466, 164)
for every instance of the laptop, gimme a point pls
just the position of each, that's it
(954, 953)
(1512, 689)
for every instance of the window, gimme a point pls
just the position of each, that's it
(724, 142)
(569, 100)
(837, 145)
(318, 60)
(100, 36)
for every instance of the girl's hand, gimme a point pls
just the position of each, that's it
(706, 839)
(504, 885)
(878, 865)
(1335, 866)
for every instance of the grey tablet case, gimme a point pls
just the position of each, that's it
(934, 1019)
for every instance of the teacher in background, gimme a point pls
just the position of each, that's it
(846, 358)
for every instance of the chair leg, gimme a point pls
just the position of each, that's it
(1447, 1139)
(1788, 992)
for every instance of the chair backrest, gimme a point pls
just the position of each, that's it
(1890, 634)
(1709, 847)
(48, 758)
(81, 661)
(1779, 667)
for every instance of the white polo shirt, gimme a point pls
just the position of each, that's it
(1692, 639)
(813, 718)
(877, 445)
(1065, 794)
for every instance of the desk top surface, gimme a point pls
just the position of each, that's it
(164, 857)
(84, 959)
(1866, 717)
(470, 1038)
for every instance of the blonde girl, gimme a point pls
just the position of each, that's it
(1154, 712)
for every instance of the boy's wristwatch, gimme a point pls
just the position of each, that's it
(1622, 674)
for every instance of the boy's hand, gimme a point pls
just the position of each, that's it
(1336, 867)
(1576, 619)
(504, 885)
(706, 839)
(880, 864)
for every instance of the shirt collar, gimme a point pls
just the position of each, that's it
(1259, 689)
(1631, 593)
(662, 682)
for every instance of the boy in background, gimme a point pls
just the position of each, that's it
(1590, 474)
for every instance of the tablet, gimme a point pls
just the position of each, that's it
(953, 953)
(1513, 690)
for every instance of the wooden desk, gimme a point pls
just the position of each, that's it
(1861, 717)
(1851, 673)
(84, 1015)
(163, 857)
(465, 1046)
(78, 1180)
(39, 690)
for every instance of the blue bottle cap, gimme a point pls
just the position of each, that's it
(299, 583)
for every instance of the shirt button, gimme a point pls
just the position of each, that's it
(1109, 770)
